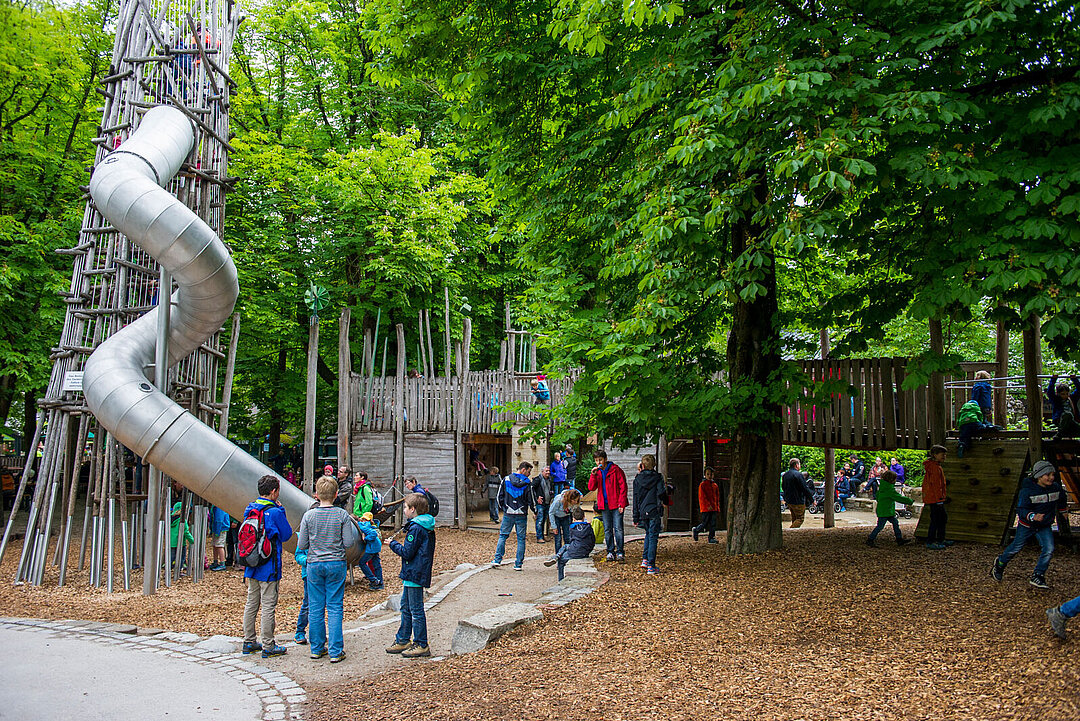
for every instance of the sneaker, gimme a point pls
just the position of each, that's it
(274, 650)
(1039, 581)
(644, 563)
(496, 564)
(338, 659)
(517, 568)
(416, 651)
(948, 543)
(316, 655)
(870, 542)
(935, 546)
(609, 557)
(713, 540)
(1057, 621)
(216, 567)
(998, 571)
(375, 587)
(398, 647)
(252, 647)
(653, 570)
(902, 541)
(300, 640)
(694, 532)
(620, 558)
(551, 561)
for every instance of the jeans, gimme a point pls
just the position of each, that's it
(1070, 609)
(373, 574)
(652, 538)
(326, 588)
(493, 509)
(1045, 537)
(562, 525)
(541, 519)
(708, 523)
(516, 521)
(936, 532)
(302, 618)
(843, 501)
(613, 530)
(970, 430)
(413, 619)
(262, 595)
(881, 521)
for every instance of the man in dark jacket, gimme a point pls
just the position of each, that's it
(793, 488)
(649, 508)
(1041, 498)
(344, 490)
(543, 491)
(580, 544)
(515, 501)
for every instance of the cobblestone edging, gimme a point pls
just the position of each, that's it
(282, 698)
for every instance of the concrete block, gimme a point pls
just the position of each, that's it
(220, 644)
(578, 567)
(180, 637)
(149, 631)
(476, 632)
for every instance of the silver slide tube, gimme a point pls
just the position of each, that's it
(127, 189)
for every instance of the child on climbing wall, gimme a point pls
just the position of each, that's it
(417, 557)
(886, 509)
(933, 488)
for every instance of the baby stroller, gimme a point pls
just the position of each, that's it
(902, 511)
(818, 504)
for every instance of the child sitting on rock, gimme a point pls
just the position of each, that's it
(370, 564)
(580, 544)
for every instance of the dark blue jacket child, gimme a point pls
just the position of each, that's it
(418, 551)
(1035, 499)
(582, 540)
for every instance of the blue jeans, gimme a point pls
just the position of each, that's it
(652, 538)
(373, 574)
(541, 519)
(326, 589)
(613, 530)
(970, 430)
(302, 619)
(708, 523)
(516, 521)
(562, 523)
(881, 521)
(413, 619)
(1045, 537)
(843, 501)
(1070, 609)
(493, 509)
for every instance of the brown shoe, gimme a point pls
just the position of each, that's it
(416, 651)
(398, 647)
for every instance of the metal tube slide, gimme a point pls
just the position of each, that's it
(127, 188)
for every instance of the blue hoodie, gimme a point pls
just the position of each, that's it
(558, 476)
(982, 394)
(1034, 499)
(418, 551)
(370, 533)
(515, 495)
(219, 521)
(278, 531)
(582, 540)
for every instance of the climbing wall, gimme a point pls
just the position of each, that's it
(981, 490)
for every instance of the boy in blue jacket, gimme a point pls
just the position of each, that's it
(581, 542)
(1041, 498)
(262, 581)
(417, 556)
(370, 564)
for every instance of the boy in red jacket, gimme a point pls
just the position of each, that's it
(609, 482)
(709, 504)
(933, 490)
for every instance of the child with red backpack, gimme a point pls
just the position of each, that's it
(264, 529)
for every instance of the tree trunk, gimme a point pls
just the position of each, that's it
(7, 394)
(753, 358)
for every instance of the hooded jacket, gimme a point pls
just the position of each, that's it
(982, 394)
(1034, 499)
(558, 474)
(418, 551)
(494, 483)
(970, 412)
(609, 482)
(278, 531)
(933, 485)
(582, 540)
(365, 499)
(648, 485)
(886, 500)
(708, 495)
(370, 533)
(515, 495)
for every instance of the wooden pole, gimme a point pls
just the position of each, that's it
(421, 358)
(830, 453)
(460, 423)
(1032, 367)
(345, 401)
(310, 456)
(230, 372)
(430, 346)
(446, 331)
(399, 405)
(661, 466)
(1001, 370)
(511, 344)
(937, 386)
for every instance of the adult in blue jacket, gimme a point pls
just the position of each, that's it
(262, 581)
(1041, 498)
(417, 557)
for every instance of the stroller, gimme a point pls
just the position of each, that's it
(818, 504)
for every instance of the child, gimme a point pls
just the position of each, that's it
(974, 416)
(709, 504)
(179, 550)
(540, 390)
(262, 580)
(581, 543)
(417, 557)
(370, 564)
(886, 508)
(302, 617)
(1041, 498)
(597, 524)
(649, 489)
(494, 483)
(1059, 615)
(219, 531)
(933, 494)
(326, 531)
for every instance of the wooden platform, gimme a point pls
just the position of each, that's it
(981, 490)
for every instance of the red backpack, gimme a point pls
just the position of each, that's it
(253, 547)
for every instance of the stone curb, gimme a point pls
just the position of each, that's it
(280, 696)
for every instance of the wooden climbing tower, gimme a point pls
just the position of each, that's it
(166, 52)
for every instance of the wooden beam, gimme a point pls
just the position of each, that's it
(345, 400)
(398, 419)
(446, 331)
(461, 416)
(830, 453)
(1032, 368)
(1001, 358)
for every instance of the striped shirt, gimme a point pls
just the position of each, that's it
(325, 533)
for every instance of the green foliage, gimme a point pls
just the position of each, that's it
(813, 460)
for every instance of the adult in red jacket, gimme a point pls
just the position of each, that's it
(709, 504)
(609, 482)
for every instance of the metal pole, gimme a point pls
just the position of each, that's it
(161, 377)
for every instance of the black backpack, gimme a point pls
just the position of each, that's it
(433, 503)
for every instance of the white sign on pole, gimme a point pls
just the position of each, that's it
(72, 381)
